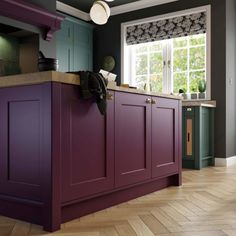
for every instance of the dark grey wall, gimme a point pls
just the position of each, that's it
(47, 4)
(230, 78)
(107, 41)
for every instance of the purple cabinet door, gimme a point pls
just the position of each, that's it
(132, 139)
(25, 112)
(165, 137)
(87, 146)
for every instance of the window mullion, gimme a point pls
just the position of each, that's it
(188, 63)
(170, 69)
(148, 68)
(167, 77)
(133, 58)
(165, 67)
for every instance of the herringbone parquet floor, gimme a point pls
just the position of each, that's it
(204, 205)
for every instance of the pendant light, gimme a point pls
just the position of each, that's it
(100, 12)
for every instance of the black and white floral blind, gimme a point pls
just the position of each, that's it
(166, 29)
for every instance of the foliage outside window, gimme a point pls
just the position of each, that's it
(188, 62)
(169, 65)
(148, 59)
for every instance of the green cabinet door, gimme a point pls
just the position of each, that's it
(75, 45)
(198, 137)
(188, 137)
(9, 54)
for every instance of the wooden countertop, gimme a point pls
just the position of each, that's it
(38, 78)
(143, 92)
(67, 78)
(200, 103)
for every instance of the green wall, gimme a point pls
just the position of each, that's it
(9, 55)
(49, 48)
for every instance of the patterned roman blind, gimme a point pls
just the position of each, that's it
(166, 29)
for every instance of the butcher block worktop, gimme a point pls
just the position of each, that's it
(200, 103)
(67, 78)
(38, 78)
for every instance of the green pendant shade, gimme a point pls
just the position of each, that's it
(108, 63)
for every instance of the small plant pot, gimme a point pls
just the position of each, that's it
(188, 96)
(184, 95)
(202, 95)
(193, 95)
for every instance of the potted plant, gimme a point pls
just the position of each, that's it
(202, 89)
(182, 92)
(193, 92)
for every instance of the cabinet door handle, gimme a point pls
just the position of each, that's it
(110, 96)
(149, 101)
(188, 137)
(153, 101)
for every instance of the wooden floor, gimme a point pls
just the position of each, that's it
(204, 205)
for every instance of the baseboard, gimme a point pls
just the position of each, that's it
(73, 211)
(225, 162)
(21, 209)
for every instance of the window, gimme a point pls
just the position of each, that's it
(148, 70)
(168, 65)
(188, 62)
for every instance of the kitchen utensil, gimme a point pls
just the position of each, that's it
(46, 64)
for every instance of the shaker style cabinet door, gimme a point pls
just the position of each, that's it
(64, 48)
(165, 137)
(198, 137)
(83, 48)
(75, 45)
(188, 125)
(25, 118)
(87, 146)
(132, 138)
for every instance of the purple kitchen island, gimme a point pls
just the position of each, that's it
(60, 159)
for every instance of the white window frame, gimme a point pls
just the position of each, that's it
(171, 57)
(125, 69)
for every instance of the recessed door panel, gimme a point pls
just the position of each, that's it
(87, 146)
(164, 137)
(24, 141)
(25, 112)
(132, 138)
(189, 137)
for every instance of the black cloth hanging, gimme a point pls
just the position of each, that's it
(94, 85)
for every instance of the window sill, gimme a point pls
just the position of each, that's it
(195, 100)
(199, 103)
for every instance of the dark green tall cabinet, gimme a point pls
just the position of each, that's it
(198, 136)
(75, 45)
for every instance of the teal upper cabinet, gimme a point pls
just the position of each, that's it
(83, 48)
(65, 40)
(75, 45)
